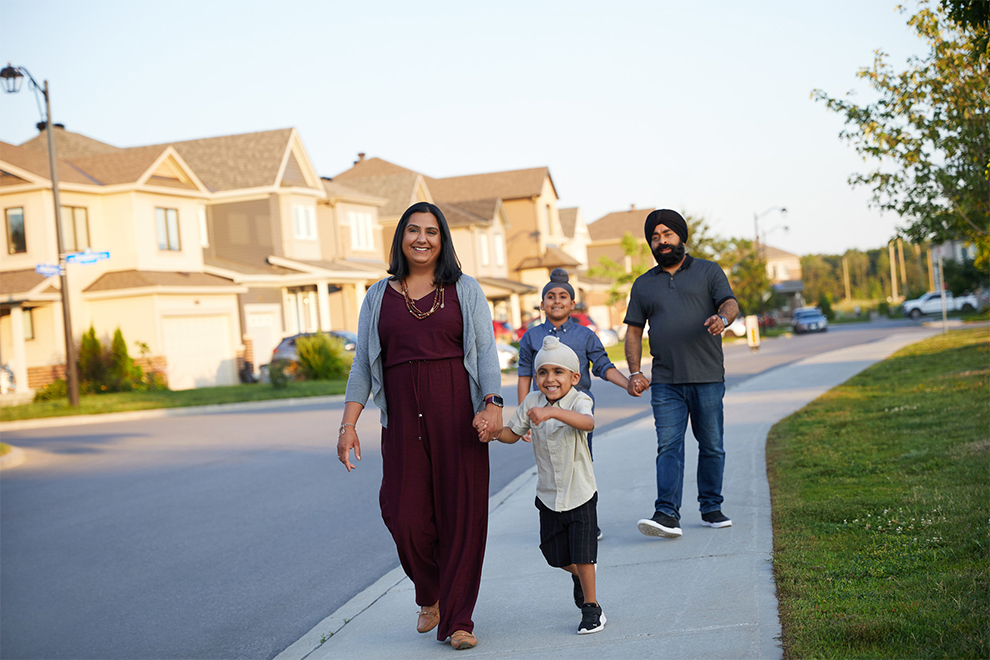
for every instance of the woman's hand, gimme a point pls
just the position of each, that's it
(491, 417)
(348, 440)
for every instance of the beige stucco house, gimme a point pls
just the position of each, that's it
(606, 241)
(145, 206)
(479, 225)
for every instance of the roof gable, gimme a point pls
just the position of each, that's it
(365, 168)
(236, 162)
(69, 144)
(514, 184)
(32, 165)
(615, 225)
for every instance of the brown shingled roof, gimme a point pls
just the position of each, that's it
(69, 144)
(36, 162)
(337, 190)
(19, 281)
(135, 279)
(398, 189)
(615, 225)
(458, 216)
(372, 167)
(514, 184)
(552, 258)
(121, 166)
(234, 162)
(568, 220)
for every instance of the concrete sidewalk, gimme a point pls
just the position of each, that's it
(709, 594)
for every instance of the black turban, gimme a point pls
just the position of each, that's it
(671, 219)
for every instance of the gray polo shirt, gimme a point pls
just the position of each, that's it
(676, 307)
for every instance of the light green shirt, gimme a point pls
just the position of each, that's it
(565, 477)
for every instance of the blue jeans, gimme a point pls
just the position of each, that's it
(672, 405)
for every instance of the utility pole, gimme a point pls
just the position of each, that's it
(845, 276)
(900, 253)
(893, 272)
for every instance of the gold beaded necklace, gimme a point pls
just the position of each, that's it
(411, 306)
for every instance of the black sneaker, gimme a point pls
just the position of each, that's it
(715, 519)
(600, 535)
(592, 619)
(660, 525)
(578, 592)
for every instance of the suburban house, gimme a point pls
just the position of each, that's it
(481, 225)
(145, 206)
(606, 241)
(218, 247)
(784, 272)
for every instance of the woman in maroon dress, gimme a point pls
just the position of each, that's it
(426, 353)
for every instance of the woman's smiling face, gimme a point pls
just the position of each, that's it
(421, 241)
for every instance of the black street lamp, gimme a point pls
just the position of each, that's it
(11, 78)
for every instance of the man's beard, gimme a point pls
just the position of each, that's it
(667, 259)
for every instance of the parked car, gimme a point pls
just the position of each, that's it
(532, 324)
(508, 355)
(503, 331)
(286, 349)
(605, 335)
(931, 303)
(809, 319)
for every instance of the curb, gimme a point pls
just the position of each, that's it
(158, 413)
(13, 458)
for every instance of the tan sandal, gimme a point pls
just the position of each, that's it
(462, 640)
(429, 617)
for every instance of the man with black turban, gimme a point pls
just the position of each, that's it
(688, 303)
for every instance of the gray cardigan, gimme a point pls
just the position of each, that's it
(480, 356)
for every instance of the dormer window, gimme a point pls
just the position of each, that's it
(362, 231)
(303, 222)
(167, 229)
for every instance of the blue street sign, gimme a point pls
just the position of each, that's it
(48, 269)
(86, 257)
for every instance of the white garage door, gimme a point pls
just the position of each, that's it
(199, 351)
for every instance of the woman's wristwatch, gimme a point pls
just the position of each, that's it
(496, 399)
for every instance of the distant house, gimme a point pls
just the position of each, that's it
(606, 235)
(481, 224)
(784, 271)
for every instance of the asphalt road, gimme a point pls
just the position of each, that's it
(226, 535)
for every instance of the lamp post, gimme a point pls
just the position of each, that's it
(756, 223)
(763, 239)
(11, 77)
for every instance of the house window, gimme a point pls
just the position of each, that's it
(204, 236)
(167, 226)
(16, 240)
(484, 249)
(75, 228)
(28, 316)
(362, 231)
(499, 250)
(304, 222)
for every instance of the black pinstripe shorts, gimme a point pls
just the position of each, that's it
(569, 537)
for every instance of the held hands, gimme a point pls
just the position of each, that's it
(488, 423)
(346, 441)
(637, 385)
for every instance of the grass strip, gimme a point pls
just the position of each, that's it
(881, 509)
(95, 404)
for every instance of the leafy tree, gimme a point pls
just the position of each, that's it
(928, 133)
(963, 277)
(748, 276)
(638, 253)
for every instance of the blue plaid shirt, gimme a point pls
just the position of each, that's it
(580, 339)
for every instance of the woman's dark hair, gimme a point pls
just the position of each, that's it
(448, 267)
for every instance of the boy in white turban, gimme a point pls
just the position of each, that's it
(560, 418)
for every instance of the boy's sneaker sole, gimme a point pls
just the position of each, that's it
(600, 627)
(652, 528)
(717, 525)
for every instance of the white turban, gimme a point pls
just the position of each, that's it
(556, 353)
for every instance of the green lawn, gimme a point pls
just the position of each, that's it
(881, 509)
(93, 404)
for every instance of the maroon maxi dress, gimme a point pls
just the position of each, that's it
(434, 494)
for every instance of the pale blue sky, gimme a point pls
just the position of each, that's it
(702, 107)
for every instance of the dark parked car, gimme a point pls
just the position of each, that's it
(286, 349)
(809, 319)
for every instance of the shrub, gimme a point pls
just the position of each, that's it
(93, 363)
(280, 372)
(122, 373)
(825, 304)
(52, 391)
(321, 357)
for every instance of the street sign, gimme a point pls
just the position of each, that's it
(86, 257)
(48, 269)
